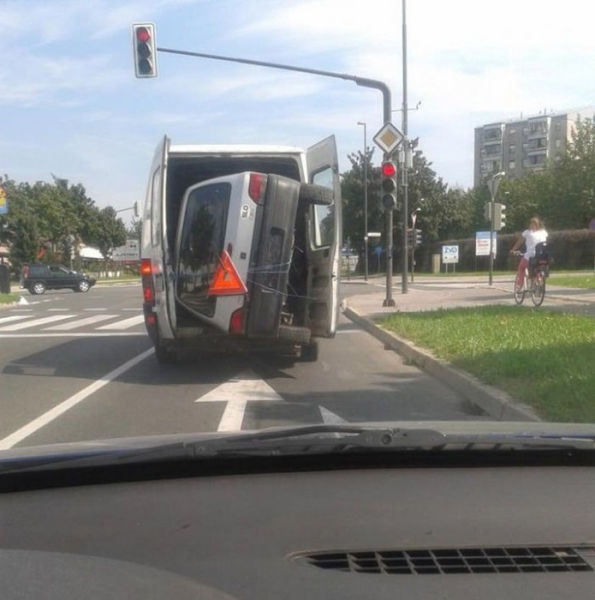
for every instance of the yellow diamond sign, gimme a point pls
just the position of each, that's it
(388, 138)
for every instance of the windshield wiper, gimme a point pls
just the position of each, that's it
(289, 441)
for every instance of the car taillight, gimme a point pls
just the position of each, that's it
(257, 187)
(148, 294)
(145, 267)
(237, 321)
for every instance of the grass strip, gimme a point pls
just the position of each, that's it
(576, 281)
(9, 298)
(541, 357)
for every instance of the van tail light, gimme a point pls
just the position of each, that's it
(227, 280)
(146, 271)
(237, 322)
(257, 187)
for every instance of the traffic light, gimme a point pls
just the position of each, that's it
(499, 216)
(410, 238)
(418, 239)
(144, 49)
(389, 185)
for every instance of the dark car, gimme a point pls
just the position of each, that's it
(38, 278)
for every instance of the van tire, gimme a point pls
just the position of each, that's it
(311, 193)
(309, 352)
(37, 288)
(165, 355)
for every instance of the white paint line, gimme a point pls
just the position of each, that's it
(58, 309)
(330, 418)
(22, 310)
(20, 434)
(94, 309)
(237, 392)
(349, 331)
(35, 323)
(123, 324)
(80, 323)
(13, 318)
(130, 309)
(90, 334)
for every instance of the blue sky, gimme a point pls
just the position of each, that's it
(70, 104)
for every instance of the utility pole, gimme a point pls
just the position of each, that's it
(493, 184)
(365, 200)
(406, 152)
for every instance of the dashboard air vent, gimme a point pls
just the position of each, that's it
(505, 559)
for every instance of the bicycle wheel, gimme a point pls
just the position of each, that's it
(538, 289)
(519, 292)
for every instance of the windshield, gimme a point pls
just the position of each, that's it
(347, 236)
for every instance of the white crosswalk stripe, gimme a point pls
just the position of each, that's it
(80, 323)
(13, 318)
(34, 323)
(123, 324)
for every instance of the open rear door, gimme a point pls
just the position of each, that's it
(155, 244)
(324, 240)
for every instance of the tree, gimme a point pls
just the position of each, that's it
(111, 231)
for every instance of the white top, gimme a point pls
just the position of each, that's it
(532, 238)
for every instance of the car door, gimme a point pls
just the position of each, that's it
(155, 245)
(324, 240)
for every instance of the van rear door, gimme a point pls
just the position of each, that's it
(155, 245)
(324, 240)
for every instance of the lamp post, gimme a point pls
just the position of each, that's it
(493, 184)
(363, 124)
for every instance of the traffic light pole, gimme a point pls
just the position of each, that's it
(405, 203)
(386, 114)
(492, 217)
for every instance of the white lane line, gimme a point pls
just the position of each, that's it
(236, 393)
(330, 418)
(90, 334)
(20, 434)
(58, 309)
(123, 324)
(349, 331)
(35, 322)
(130, 309)
(80, 323)
(94, 309)
(13, 318)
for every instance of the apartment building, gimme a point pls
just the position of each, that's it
(527, 144)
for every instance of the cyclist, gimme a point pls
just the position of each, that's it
(532, 236)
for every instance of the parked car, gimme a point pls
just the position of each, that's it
(37, 278)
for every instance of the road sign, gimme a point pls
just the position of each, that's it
(3, 202)
(482, 243)
(388, 138)
(450, 254)
(374, 234)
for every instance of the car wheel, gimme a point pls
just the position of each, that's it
(37, 288)
(83, 286)
(309, 352)
(165, 355)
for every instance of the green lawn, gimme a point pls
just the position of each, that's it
(586, 281)
(8, 298)
(540, 357)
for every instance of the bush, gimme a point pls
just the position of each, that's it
(569, 249)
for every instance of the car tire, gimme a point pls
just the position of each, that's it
(166, 355)
(37, 288)
(83, 286)
(309, 352)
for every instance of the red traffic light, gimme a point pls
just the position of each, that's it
(389, 169)
(143, 34)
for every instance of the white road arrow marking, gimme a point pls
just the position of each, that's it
(237, 392)
(330, 418)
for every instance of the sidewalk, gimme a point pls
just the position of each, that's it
(436, 293)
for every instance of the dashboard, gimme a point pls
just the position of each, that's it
(350, 533)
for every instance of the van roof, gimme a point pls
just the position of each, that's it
(234, 149)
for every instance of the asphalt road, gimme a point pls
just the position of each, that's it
(80, 366)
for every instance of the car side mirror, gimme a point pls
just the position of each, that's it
(311, 193)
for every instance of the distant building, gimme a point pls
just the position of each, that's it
(521, 145)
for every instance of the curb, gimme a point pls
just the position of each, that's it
(494, 402)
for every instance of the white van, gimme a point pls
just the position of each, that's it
(240, 248)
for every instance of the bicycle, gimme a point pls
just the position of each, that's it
(534, 280)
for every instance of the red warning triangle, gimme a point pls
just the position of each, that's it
(227, 281)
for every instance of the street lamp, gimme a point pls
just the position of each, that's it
(493, 184)
(363, 124)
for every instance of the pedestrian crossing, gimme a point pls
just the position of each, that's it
(30, 322)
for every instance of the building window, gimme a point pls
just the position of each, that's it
(511, 165)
